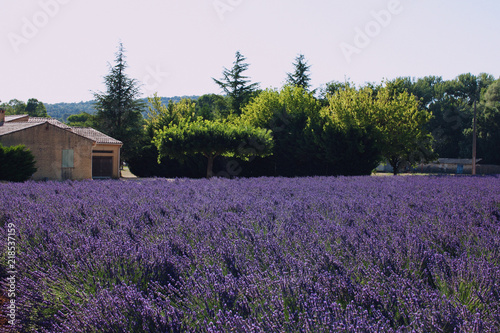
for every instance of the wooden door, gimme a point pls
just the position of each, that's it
(102, 167)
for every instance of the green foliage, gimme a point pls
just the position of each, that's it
(451, 103)
(213, 107)
(146, 162)
(345, 134)
(332, 87)
(236, 85)
(401, 124)
(286, 114)
(83, 119)
(118, 109)
(389, 117)
(492, 95)
(14, 107)
(211, 139)
(309, 140)
(160, 115)
(33, 108)
(300, 77)
(17, 163)
(61, 111)
(488, 125)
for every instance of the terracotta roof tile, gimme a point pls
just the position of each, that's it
(87, 132)
(52, 121)
(13, 118)
(9, 127)
(95, 135)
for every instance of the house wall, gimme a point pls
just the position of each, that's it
(47, 143)
(109, 150)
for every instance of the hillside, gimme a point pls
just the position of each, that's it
(62, 111)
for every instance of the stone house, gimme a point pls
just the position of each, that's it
(62, 152)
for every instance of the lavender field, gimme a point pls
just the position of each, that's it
(363, 254)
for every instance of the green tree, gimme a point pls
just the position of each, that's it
(492, 95)
(391, 119)
(83, 119)
(401, 124)
(14, 107)
(237, 86)
(300, 77)
(212, 107)
(212, 139)
(285, 112)
(34, 108)
(119, 109)
(159, 115)
(17, 163)
(488, 126)
(146, 163)
(332, 87)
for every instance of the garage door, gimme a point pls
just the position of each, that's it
(102, 167)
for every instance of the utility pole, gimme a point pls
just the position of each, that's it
(474, 141)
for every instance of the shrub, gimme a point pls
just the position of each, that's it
(17, 163)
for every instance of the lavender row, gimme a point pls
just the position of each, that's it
(364, 254)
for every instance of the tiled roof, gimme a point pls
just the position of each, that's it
(52, 121)
(95, 135)
(12, 127)
(15, 117)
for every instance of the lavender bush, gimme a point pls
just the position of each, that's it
(365, 254)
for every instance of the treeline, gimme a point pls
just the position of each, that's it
(32, 107)
(340, 129)
(451, 104)
(62, 111)
(349, 133)
(347, 130)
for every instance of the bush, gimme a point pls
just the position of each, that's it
(17, 163)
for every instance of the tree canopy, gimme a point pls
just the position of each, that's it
(83, 119)
(390, 118)
(212, 139)
(285, 112)
(33, 108)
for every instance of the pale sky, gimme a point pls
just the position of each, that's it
(59, 50)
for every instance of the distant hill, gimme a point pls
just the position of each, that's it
(61, 111)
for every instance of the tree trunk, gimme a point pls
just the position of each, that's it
(210, 166)
(395, 163)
